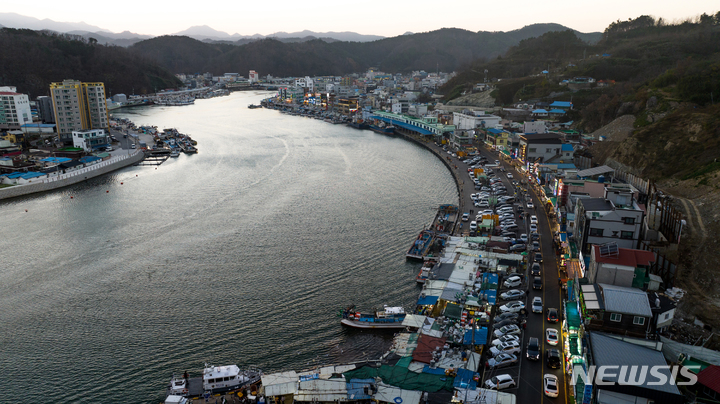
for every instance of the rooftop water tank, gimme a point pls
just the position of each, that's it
(601, 179)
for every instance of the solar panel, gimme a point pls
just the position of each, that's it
(609, 250)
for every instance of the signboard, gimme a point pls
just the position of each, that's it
(582, 264)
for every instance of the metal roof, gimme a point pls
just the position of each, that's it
(623, 300)
(609, 351)
(590, 172)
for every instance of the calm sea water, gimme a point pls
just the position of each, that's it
(242, 254)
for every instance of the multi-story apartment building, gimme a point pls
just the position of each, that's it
(78, 106)
(538, 148)
(14, 109)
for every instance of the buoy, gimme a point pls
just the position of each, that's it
(25, 210)
(121, 183)
(107, 192)
(71, 197)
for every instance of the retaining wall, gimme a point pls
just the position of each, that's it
(73, 177)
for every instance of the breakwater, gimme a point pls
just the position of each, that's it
(72, 177)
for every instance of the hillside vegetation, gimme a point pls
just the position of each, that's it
(446, 49)
(32, 60)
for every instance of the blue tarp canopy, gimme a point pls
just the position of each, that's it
(480, 337)
(408, 126)
(557, 111)
(55, 159)
(561, 104)
(465, 379)
(540, 111)
(427, 300)
(563, 237)
(356, 389)
(496, 131)
(433, 371)
(88, 159)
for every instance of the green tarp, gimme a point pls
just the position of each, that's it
(572, 316)
(453, 311)
(401, 377)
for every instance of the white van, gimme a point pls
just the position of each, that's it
(473, 225)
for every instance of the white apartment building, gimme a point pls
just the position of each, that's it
(475, 119)
(14, 108)
(91, 139)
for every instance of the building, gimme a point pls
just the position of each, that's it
(498, 139)
(617, 310)
(253, 77)
(78, 106)
(534, 127)
(620, 266)
(614, 218)
(14, 108)
(475, 119)
(46, 113)
(91, 139)
(609, 351)
(539, 147)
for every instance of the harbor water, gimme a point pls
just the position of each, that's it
(241, 254)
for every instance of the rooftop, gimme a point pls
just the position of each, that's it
(595, 204)
(624, 300)
(626, 257)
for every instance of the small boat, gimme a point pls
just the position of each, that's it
(383, 128)
(424, 273)
(174, 153)
(214, 379)
(387, 318)
(252, 106)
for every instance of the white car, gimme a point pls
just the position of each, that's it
(465, 217)
(510, 347)
(512, 307)
(510, 329)
(537, 305)
(501, 361)
(530, 205)
(473, 225)
(512, 282)
(524, 238)
(550, 385)
(505, 338)
(533, 228)
(513, 294)
(509, 175)
(551, 335)
(533, 219)
(500, 382)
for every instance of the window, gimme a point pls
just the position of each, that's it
(626, 234)
(666, 316)
(548, 150)
(637, 320)
(533, 150)
(615, 317)
(628, 220)
(596, 232)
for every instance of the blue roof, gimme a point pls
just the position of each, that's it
(539, 111)
(566, 166)
(562, 104)
(427, 300)
(545, 72)
(38, 125)
(403, 125)
(56, 159)
(88, 159)
(356, 388)
(567, 147)
(495, 130)
(481, 335)
(557, 111)
(31, 174)
(465, 379)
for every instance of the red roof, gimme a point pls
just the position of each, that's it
(710, 377)
(8, 93)
(627, 257)
(426, 346)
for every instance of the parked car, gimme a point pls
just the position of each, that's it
(551, 335)
(537, 305)
(533, 349)
(504, 316)
(513, 307)
(510, 347)
(550, 385)
(535, 269)
(512, 282)
(512, 294)
(500, 382)
(552, 358)
(505, 338)
(517, 248)
(510, 329)
(552, 315)
(501, 360)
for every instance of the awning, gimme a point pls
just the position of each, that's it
(563, 237)
(427, 300)
(394, 395)
(572, 315)
(414, 320)
(476, 337)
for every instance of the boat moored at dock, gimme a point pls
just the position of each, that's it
(387, 318)
(214, 379)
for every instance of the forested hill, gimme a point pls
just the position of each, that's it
(31, 60)
(446, 49)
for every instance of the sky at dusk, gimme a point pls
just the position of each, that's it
(388, 18)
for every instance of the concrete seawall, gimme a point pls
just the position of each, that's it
(72, 177)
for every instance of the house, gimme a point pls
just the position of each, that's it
(614, 218)
(663, 309)
(563, 105)
(708, 385)
(90, 139)
(539, 147)
(539, 113)
(620, 266)
(497, 138)
(475, 119)
(617, 310)
(628, 387)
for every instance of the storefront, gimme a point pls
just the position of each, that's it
(573, 333)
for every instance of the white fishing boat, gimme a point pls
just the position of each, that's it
(387, 318)
(214, 379)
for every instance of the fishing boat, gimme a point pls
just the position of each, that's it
(214, 379)
(424, 273)
(387, 318)
(382, 127)
(253, 106)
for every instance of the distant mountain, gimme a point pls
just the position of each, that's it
(345, 36)
(204, 32)
(13, 20)
(446, 49)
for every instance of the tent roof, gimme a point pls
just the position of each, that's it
(395, 395)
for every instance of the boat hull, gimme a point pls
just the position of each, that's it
(370, 325)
